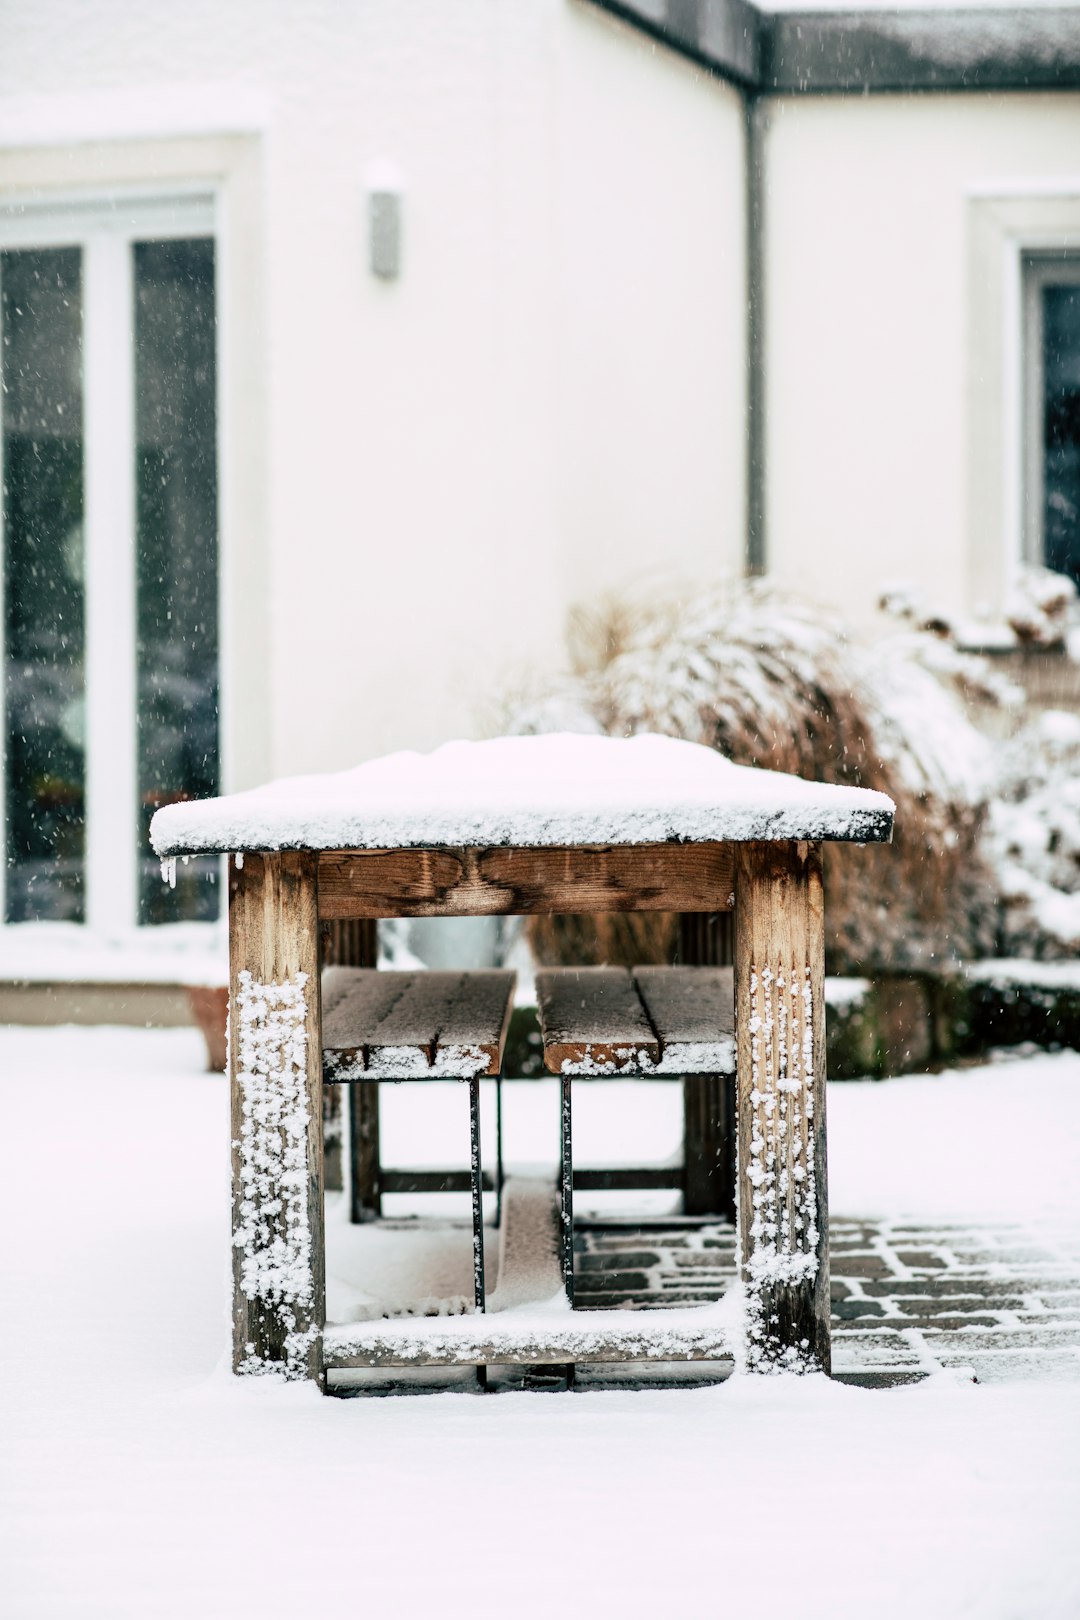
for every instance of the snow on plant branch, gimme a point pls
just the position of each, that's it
(769, 680)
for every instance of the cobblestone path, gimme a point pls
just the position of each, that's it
(908, 1300)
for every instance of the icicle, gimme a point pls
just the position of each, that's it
(168, 870)
(239, 858)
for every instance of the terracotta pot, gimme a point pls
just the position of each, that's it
(210, 1010)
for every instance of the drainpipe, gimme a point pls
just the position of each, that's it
(756, 124)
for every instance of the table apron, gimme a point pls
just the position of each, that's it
(472, 882)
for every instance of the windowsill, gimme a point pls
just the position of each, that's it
(65, 953)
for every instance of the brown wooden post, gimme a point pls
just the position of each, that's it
(709, 1145)
(780, 1047)
(352, 942)
(708, 1099)
(275, 1065)
(365, 1156)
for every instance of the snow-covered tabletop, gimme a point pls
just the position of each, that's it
(560, 789)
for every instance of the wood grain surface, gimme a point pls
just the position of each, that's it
(688, 1006)
(672, 1020)
(593, 1015)
(427, 1012)
(273, 936)
(780, 1034)
(519, 882)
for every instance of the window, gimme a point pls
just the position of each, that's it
(1052, 412)
(108, 542)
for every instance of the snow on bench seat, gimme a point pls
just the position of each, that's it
(550, 791)
(416, 1025)
(654, 1021)
(548, 1336)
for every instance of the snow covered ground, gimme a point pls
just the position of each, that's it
(139, 1479)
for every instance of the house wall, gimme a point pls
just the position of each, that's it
(420, 477)
(892, 231)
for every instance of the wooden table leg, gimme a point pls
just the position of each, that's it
(275, 1064)
(780, 1045)
(709, 1145)
(705, 940)
(345, 943)
(365, 1153)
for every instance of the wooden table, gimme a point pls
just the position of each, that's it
(279, 897)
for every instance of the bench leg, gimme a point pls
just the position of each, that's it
(706, 940)
(566, 1188)
(499, 1176)
(275, 1069)
(561, 1375)
(477, 1178)
(780, 1045)
(347, 943)
(333, 1156)
(365, 1162)
(477, 1170)
(709, 1145)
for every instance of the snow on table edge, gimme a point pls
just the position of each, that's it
(182, 830)
(532, 792)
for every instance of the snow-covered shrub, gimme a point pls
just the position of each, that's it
(1041, 613)
(773, 682)
(1041, 607)
(1033, 838)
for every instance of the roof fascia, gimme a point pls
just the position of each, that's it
(866, 52)
(723, 36)
(863, 52)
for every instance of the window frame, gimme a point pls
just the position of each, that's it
(1006, 225)
(105, 227)
(1039, 270)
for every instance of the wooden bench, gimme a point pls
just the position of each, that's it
(652, 1021)
(648, 1023)
(422, 1025)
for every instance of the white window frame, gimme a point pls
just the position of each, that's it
(105, 228)
(1040, 270)
(1008, 227)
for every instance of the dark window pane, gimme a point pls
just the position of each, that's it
(1061, 419)
(41, 407)
(176, 470)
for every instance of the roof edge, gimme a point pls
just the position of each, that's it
(866, 52)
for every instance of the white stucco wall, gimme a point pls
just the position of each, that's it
(421, 477)
(893, 415)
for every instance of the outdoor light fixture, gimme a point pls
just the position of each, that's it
(383, 184)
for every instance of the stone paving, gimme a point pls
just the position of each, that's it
(907, 1300)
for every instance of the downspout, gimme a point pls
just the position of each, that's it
(756, 122)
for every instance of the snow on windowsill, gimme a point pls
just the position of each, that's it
(145, 112)
(194, 954)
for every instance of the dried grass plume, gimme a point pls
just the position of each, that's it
(774, 682)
